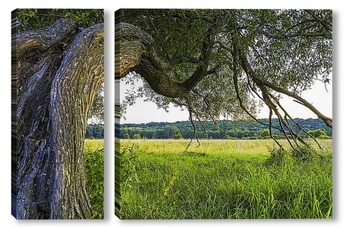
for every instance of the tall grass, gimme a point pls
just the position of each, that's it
(221, 179)
(94, 170)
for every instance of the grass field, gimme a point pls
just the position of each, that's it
(94, 160)
(222, 179)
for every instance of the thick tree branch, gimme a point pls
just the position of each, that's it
(81, 72)
(135, 52)
(42, 39)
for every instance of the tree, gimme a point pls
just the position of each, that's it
(318, 133)
(57, 72)
(126, 136)
(137, 136)
(219, 62)
(265, 133)
(178, 135)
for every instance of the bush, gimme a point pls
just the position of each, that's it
(318, 133)
(126, 136)
(265, 134)
(304, 153)
(178, 135)
(324, 137)
(137, 137)
(277, 157)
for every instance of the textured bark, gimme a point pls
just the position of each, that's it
(135, 52)
(56, 73)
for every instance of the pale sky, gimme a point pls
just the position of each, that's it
(143, 112)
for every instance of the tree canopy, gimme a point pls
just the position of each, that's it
(30, 19)
(226, 62)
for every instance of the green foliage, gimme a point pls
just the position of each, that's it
(304, 153)
(97, 110)
(37, 18)
(222, 184)
(137, 137)
(287, 48)
(129, 164)
(221, 130)
(94, 170)
(278, 157)
(126, 136)
(265, 133)
(178, 135)
(94, 131)
(318, 133)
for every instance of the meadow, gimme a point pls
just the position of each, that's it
(94, 170)
(223, 179)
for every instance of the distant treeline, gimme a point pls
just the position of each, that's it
(224, 129)
(95, 131)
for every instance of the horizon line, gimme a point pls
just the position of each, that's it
(209, 120)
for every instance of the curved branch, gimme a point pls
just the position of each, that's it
(44, 38)
(80, 75)
(135, 52)
(247, 68)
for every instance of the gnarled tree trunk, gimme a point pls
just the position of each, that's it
(56, 73)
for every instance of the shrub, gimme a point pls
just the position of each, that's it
(304, 153)
(318, 133)
(137, 137)
(126, 136)
(178, 135)
(277, 157)
(265, 134)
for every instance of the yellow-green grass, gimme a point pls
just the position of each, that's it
(214, 146)
(93, 144)
(221, 179)
(94, 168)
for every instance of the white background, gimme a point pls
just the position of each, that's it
(341, 87)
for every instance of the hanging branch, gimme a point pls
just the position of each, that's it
(293, 138)
(190, 112)
(194, 130)
(285, 122)
(273, 108)
(287, 115)
(270, 131)
(236, 87)
(243, 61)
